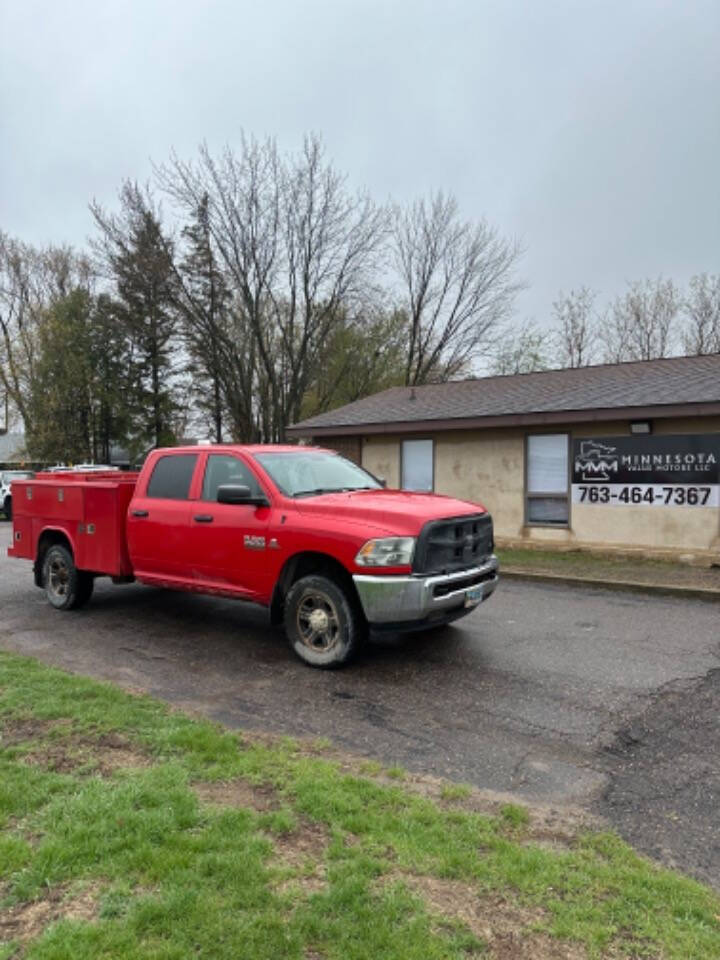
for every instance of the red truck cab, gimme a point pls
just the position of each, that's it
(300, 530)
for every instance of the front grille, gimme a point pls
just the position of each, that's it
(455, 543)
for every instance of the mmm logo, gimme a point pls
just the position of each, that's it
(597, 461)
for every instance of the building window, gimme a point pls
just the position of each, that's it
(417, 465)
(547, 479)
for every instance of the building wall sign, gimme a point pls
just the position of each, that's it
(651, 471)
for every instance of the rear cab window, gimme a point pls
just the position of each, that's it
(172, 476)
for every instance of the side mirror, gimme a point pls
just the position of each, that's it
(382, 481)
(238, 493)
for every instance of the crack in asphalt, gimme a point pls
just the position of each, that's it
(662, 793)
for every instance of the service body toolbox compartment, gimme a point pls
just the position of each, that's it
(88, 508)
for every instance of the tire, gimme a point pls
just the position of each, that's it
(66, 587)
(323, 625)
(7, 508)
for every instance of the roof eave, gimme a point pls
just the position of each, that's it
(536, 418)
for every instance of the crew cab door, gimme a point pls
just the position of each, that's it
(231, 541)
(158, 521)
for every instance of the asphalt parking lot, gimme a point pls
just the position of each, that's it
(558, 694)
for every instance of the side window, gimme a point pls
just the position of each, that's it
(171, 476)
(221, 469)
(417, 465)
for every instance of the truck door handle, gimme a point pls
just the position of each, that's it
(203, 518)
(140, 513)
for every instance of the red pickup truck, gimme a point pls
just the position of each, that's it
(300, 530)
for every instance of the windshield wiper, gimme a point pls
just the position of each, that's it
(318, 490)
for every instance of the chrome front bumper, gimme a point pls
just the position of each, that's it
(405, 599)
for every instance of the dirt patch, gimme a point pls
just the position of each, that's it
(56, 759)
(557, 826)
(537, 946)
(26, 921)
(308, 842)
(104, 755)
(62, 751)
(237, 793)
(308, 883)
(303, 851)
(556, 830)
(113, 752)
(16, 730)
(487, 917)
(300, 851)
(505, 925)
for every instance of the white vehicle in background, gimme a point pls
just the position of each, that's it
(81, 468)
(6, 479)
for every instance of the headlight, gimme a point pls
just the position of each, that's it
(388, 552)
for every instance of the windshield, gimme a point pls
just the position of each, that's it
(306, 473)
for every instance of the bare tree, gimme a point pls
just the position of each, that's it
(521, 351)
(31, 281)
(614, 335)
(299, 249)
(639, 325)
(575, 334)
(242, 195)
(702, 309)
(333, 239)
(20, 303)
(458, 282)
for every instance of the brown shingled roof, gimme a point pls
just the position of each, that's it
(615, 391)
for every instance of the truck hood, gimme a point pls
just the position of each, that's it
(397, 511)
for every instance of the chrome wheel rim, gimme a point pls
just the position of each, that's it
(317, 620)
(58, 577)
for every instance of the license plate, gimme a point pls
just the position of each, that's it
(473, 596)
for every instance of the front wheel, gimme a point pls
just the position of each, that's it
(66, 587)
(322, 624)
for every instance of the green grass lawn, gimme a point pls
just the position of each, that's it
(581, 563)
(130, 830)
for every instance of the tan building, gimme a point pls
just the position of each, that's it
(623, 455)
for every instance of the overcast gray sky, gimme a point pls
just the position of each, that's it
(588, 130)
